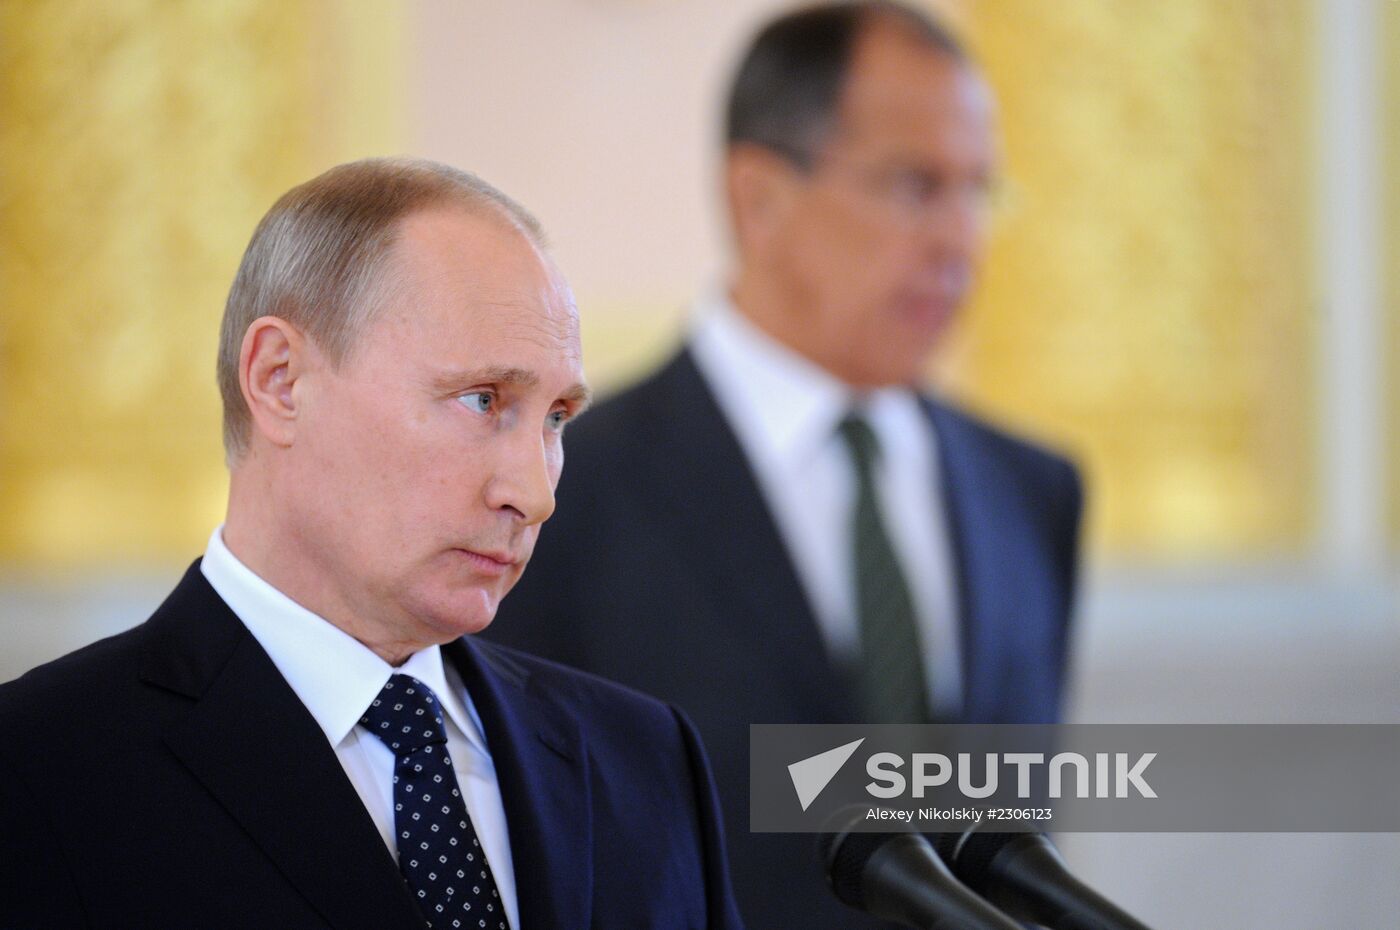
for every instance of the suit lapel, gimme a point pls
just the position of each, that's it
(540, 762)
(259, 752)
(708, 490)
(981, 531)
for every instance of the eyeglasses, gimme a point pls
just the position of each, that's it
(910, 195)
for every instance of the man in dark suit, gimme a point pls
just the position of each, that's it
(302, 735)
(779, 525)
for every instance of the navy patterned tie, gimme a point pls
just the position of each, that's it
(439, 853)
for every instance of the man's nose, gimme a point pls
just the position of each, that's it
(524, 479)
(958, 224)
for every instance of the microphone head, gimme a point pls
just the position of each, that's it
(844, 856)
(899, 876)
(843, 853)
(973, 862)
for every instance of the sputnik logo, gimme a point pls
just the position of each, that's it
(811, 775)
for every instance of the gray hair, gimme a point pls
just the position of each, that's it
(317, 259)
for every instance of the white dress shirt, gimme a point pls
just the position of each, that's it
(337, 677)
(785, 411)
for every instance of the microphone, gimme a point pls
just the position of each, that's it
(899, 877)
(1023, 874)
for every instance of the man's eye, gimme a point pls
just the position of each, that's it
(480, 401)
(558, 418)
(913, 187)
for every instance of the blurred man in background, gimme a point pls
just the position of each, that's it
(778, 525)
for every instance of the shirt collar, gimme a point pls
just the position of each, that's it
(904, 430)
(790, 405)
(333, 674)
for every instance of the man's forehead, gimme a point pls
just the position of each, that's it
(506, 329)
(469, 293)
(449, 239)
(548, 337)
(460, 258)
(892, 69)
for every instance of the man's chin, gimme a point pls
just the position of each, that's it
(884, 372)
(461, 612)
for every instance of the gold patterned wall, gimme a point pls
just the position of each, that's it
(1147, 298)
(1146, 301)
(140, 141)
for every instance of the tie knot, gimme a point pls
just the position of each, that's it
(861, 441)
(406, 716)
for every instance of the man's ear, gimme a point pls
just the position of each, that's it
(273, 357)
(761, 187)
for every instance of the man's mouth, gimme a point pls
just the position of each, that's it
(490, 561)
(929, 311)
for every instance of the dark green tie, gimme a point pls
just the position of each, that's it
(892, 686)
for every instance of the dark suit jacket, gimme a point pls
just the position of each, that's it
(662, 568)
(168, 777)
